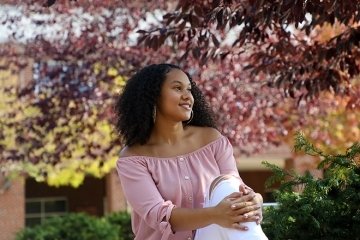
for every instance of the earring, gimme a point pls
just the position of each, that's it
(154, 114)
(191, 117)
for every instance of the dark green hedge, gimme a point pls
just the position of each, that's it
(79, 226)
(71, 227)
(122, 220)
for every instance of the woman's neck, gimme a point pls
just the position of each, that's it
(167, 133)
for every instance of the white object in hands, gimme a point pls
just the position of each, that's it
(216, 232)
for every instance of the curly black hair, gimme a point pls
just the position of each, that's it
(135, 106)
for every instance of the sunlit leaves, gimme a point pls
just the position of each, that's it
(61, 144)
(333, 125)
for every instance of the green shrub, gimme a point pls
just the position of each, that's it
(326, 208)
(123, 221)
(71, 227)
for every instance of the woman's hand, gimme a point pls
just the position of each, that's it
(251, 209)
(235, 209)
(257, 202)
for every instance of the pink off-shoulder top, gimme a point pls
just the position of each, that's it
(154, 186)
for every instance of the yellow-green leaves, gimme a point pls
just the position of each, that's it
(56, 136)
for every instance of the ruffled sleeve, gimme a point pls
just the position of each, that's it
(143, 196)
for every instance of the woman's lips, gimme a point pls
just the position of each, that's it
(186, 106)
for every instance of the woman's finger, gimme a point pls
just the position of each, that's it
(240, 227)
(243, 218)
(255, 216)
(239, 203)
(259, 215)
(249, 219)
(244, 198)
(245, 189)
(246, 210)
(233, 196)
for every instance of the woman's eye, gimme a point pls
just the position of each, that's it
(178, 88)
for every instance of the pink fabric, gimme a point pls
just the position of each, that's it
(154, 186)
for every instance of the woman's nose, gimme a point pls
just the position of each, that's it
(186, 94)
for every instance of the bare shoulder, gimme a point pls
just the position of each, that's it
(205, 135)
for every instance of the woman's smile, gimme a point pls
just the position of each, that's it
(186, 106)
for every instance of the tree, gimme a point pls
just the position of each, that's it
(276, 37)
(324, 208)
(333, 124)
(89, 49)
(48, 142)
(334, 128)
(58, 127)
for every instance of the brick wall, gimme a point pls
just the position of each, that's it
(12, 212)
(114, 195)
(12, 200)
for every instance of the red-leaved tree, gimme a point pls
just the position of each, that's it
(82, 52)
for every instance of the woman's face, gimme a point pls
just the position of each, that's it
(175, 101)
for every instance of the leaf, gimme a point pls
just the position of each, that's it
(215, 3)
(142, 38)
(204, 59)
(215, 41)
(49, 3)
(167, 15)
(141, 31)
(220, 18)
(291, 93)
(196, 52)
(198, 10)
(182, 25)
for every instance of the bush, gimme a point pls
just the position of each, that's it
(326, 208)
(74, 226)
(123, 221)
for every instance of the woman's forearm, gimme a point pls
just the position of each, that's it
(190, 219)
(228, 213)
(223, 214)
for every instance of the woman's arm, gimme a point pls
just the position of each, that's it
(224, 214)
(145, 199)
(223, 153)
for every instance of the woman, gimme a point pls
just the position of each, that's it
(172, 156)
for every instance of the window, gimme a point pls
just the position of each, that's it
(39, 209)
